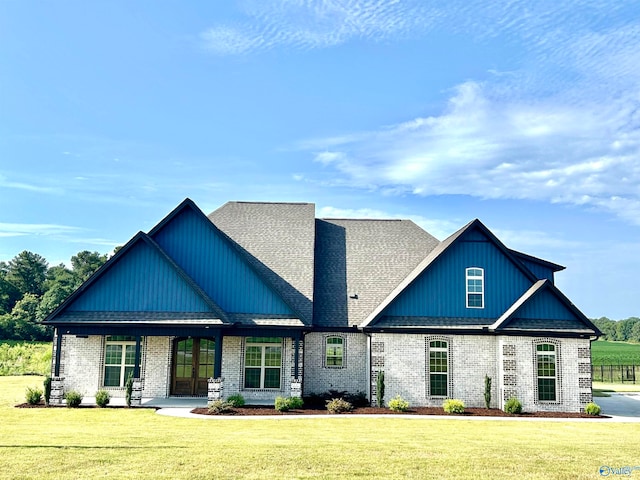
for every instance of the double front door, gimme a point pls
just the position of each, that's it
(192, 366)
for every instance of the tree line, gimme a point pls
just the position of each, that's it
(627, 330)
(30, 290)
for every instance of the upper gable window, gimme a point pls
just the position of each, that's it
(475, 287)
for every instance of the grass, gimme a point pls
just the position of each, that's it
(137, 443)
(615, 353)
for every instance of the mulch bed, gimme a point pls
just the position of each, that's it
(252, 410)
(249, 410)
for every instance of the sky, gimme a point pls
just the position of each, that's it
(523, 114)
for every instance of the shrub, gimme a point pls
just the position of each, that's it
(284, 404)
(339, 405)
(451, 405)
(33, 395)
(220, 407)
(398, 404)
(513, 405)
(73, 398)
(487, 391)
(592, 409)
(102, 398)
(128, 389)
(380, 389)
(236, 400)
(319, 400)
(47, 390)
(295, 403)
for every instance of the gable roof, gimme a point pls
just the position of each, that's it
(567, 316)
(66, 311)
(435, 254)
(277, 241)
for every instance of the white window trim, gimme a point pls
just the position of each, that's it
(122, 364)
(474, 277)
(446, 349)
(262, 366)
(556, 378)
(344, 351)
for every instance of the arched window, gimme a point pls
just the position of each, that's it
(334, 352)
(547, 372)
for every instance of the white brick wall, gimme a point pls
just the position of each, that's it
(352, 377)
(509, 361)
(404, 361)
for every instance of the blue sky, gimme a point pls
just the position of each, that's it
(523, 114)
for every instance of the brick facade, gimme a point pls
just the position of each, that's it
(510, 361)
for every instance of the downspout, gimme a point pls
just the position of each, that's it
(368, 364)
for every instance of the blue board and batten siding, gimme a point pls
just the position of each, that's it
(208, 258)
(141, 281)
(540, 271)
(440, 290)
(545, 305)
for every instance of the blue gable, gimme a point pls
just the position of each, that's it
(141, 280)
(440, 290)
(209, 258)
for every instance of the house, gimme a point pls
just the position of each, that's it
(265, 300)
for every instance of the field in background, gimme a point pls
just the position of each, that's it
(25, 358)
(615, 353)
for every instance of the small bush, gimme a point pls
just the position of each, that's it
(513, 405)
(398, 404)
(33, 395)
(284, 404)
(380, 389)
(592, 409)
(451, 405)
(47, 390)
(73, 398)
(220, 407)
(339, 405)
(102, 398)
(236, 400)
(487, 391)
(128, 389)
(319, 400)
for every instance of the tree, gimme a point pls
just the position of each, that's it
(24, 318)
(27, 272)
(607, 327)
(85, 263)
(9, 294)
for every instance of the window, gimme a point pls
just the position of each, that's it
(119, 360)
(475, 287)
(547, 372)
(334, 352)
(438, 368)
(262, 362)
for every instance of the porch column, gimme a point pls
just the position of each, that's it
(296, 355)
(217, 364)
(136, 367)
(56, 363)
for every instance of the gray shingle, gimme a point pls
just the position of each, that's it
(367, 258)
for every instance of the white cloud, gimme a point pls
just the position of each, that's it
(313, 24)
(44, 229)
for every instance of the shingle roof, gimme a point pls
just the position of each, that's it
(278, 240)
(366, 259)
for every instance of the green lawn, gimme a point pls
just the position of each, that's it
(615, 353)
(62, 443)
